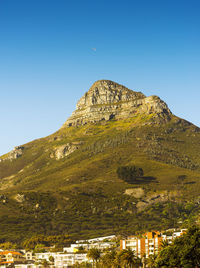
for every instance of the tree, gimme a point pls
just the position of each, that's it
(164, 244)
(151, 261)
(167, 258)
(81, 249)
(94, 254)
(117, 261)
(39, 248)
(129, 173)
(144, 260)
(183, 252)
(128, 257)
(8, 245)
(45, 264)
(109, 259)
(51, 259)
(181, 179)
(56, 240)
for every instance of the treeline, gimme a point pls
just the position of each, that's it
(41, 243)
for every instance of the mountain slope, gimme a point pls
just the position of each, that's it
(67, 182)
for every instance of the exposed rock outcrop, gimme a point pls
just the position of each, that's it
(20, 198)
(135, 192)
(107, 100)
(14, 154)
(7, 182)
(65, 150)
(154, 198)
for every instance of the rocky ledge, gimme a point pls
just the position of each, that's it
(65, 150)
(14, 154)
(107, 100)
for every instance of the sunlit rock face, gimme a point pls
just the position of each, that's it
(107, 100)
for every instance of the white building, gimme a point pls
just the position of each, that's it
(45, 255)
(69, 259)
(97, 239)
(87, 246)
(61, 259)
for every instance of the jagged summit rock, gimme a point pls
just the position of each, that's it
(107, 100)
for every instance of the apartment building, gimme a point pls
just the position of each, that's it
(146, 245)
(149, 243)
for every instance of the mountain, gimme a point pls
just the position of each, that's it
(67, 183)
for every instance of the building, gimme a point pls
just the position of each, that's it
(61, 259)
(69, 259)
(97, 239)
(146, 245)
(149, 243)
(45, 255)
(171, 234)
(87, 246)
(11, 257)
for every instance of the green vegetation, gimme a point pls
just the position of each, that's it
(94, 254)
(183, 252)
(118, 259)
(8, 245)
(51, 259)
(129, 173)
(40, 242)
(128, 258)
(81, 195)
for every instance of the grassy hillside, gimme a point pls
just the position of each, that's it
(81, 195)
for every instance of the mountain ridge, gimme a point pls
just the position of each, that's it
(67, 182)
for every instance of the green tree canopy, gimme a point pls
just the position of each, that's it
(51, 258)
(47, 241)
(128, 257)
(129, 173)
(183, 252)
(109, 259)
(94, 254)
(151, 261)
(8, 245)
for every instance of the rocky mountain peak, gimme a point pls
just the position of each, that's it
(107, 100)
(107, 92)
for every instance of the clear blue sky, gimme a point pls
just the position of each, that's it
(47, 61)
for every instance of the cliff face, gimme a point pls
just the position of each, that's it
(107, 100)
